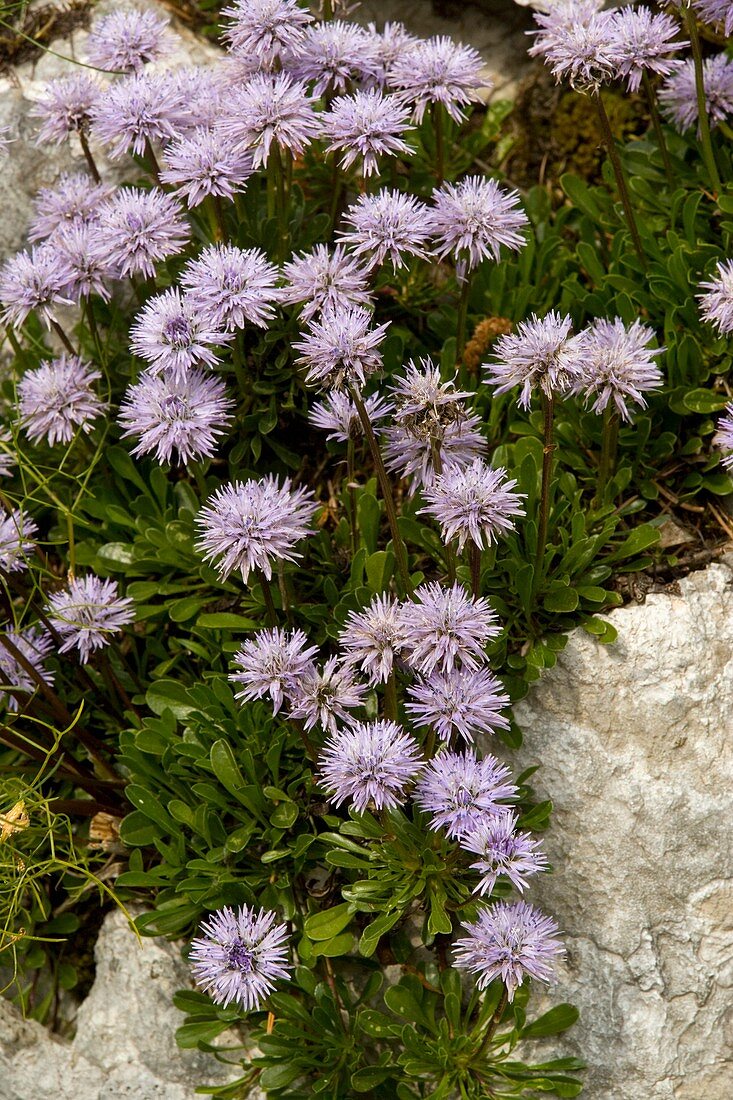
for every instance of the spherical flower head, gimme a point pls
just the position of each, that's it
(125, 40)
(204, 163)
(371, 639)
(425, 404)
(202, 90)
(540, 353)
(138, 110)
(443, 628)
(341, 348)
(460, 703)
(723, 438)
(644, 41)
(388, 46)
(32, 281)
(270, 108)
(387, 224)
(34, 644)
(718, 13)
(511, 942)
(472, 220)
(140, 228)
(503, 851)
(171, 335)
(579, 45)
(438, 71)
(58, 398)
(239, 956)
(338, 416)
(271, 663)
(413, 456)
(325, 698)
(324, 279)
(716, 305)
(17, 532)
(87, 613)
(231, 286)
(66, 106)
(250, 525)
(176, 419)
(332, 55)
(265, 29)
(366, 126)
(458, 790)
(86, 270)
(370, 765)
(74, 199)
(618, 365)
(678, 95)
(475, 502)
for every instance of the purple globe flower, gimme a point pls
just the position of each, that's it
(716, 305)
(125, 40)
(458, 791)
(425, 404)
(503, 851)
(270, 109)
(230, 286)
(412, 456)
(338, 416)
(579, 45)
(66, 106)
(719, 13)
(644, 41)
(370, 765)
(58, 398)
(371, 639)
(678, 94)
(140, 110)
(438, 71)
(444, 627)
(618, 365)
(203, 163)
(324, 279)
(34, 644)
(723, 438)
(511, 942)
(387, 47)
(271, 663)
(341, 348)
(172, 336)
(140, 228)
(474, 502)
(249, 525)
(87, 613)
(240, 956)
(74, 199)
(85, 269)
(266, 29)
(325, 698)
(472, 220)
(182, 419)
(332, 55)
(17, 532)
(367, 125)
(32, 281)
(461, 702)
(540, 353)
(387, 224)
(201, 88)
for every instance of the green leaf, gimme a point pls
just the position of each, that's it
(640, 539)
(559, 1018)
(364, 1080)
(225, 767)
(284, 816)
(224, 620)
(169, 695)
(379, 568)
(326, 925)
(562, 600)
(342, 944)
(704, 401)
(372, 934)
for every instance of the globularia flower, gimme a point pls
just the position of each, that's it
(200, 88)
(723, 438)
(66, 106)
(324, 278)
(579, 45)
(387, 47)
(266, 29)
(87, 613)
(388, 224)
(17, 532)
(172, 336)
(73, 199)
(463, 702)
(271, 663)
(139, 228)
(249, 525)
(176, 418)
(338, 416)
(341, 348)
(716, 305)
(438, 71)
(618, 365)
(472, 221)
(371, 638)
(370, 765)
(125, 40)
(644, 42)
(270, 108)
(678, 95)
(332, 55)
(540, 353)
(458, 790)
(445, 627)
(425, 404)
(58, 398)
(204, 163)
(230, 286)
(719, 13)
(34, 644)
(412, 456)
(325, 698)
(475, 502)
(32, 281)
(503, 851)
(240, 956)
(136, 111)
(85, 268)
(511, 942)
(365, 126)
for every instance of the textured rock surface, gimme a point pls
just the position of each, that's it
(125, 1041)
(634, 745)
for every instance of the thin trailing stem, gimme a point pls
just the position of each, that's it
(658, 131)
(706, 141)
(350, 485)
(462, 318)
(439, 131)
(63, 337)
(619, 174)
(390, 697)
(450, 554)
(548, 407)
(474, 561)
(152, 161)
(91, 163)
(609, 447)
(267, 596)
(493, 1024)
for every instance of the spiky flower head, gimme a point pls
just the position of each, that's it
(371, 639)
(509, 941)
(177, 419)
(265, 29)
(32, 281)
(74, 199)
(425, 405)
(332, 55)
(503, 851)
(171, 335)
(34, 644)
(231, 286)
(271, 663)
(17, 532)
(678, 94)
(387, 47)
(474, 219)
(462, 702)
(389, 224)
(239, 956)
(338, 415)
(86, 270)
(139, 228)
(204, 163)
(716, 305)
(579, 45)
(252, 524)
(618, 365)
(474, 502)
(58, 398)
(413, 456)
(66, 106)
(458, 790)
(541, 353)
(125, 40)
(718, 13)
(723, 438)
(87, 613)
(140, 110)
(370, 765)
(270, 109)
(644, 41)
(324, 698)
(443, 628)
(366, 126)
(202, 90)
(324, 279)
(438, 71)
(341, 348)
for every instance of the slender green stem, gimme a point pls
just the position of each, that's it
(657, 124)
(450, 553)
(390, 697)
(474, 561)
(276, 206)
(282, 583)
(462, 319)
(63, 337)
(94, 331)
(88, 157)
(439, 130)
(430, 743)
(493, 1024)
(619, 174)
(350, 486)
(152, 160)
(267, 596)
(609, 446)
(706, 142)
(337, 182)
(548, 407)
